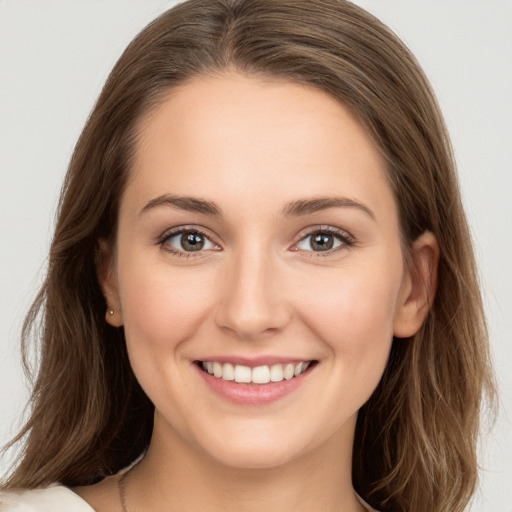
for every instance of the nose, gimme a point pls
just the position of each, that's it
(252, 302)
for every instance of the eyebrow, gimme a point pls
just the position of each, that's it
(294, 209)
(189, 204)
(316, 204)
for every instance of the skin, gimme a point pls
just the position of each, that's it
(253, 147)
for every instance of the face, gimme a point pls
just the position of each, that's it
(258, 240)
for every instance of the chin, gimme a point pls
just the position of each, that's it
(258, 450)
(254, 458)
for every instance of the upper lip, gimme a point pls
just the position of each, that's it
(253, 362)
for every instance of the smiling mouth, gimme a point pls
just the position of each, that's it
(257, 375)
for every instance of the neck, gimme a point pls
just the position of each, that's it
(174, 474)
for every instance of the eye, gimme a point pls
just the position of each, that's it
(187, 241)
(323, 241)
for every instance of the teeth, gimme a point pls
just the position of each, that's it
(228, 372)
(217, 370)
(289, 371)
(256, 375)
(260, 375)
(276, 373)
(242, 373)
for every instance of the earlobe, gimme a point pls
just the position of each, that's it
(419, 286)
(105, 270)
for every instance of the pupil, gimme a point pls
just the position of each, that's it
(192, 241)
(322, 242)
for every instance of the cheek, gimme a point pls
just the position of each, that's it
(353, 313)
(354, 320)
(161, 306)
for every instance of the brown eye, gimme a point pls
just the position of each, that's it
(324, 241)
(192, 241)
(321, 242)
(188, 241)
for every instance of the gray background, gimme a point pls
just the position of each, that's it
(54, 58)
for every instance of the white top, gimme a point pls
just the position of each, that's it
(55, 498)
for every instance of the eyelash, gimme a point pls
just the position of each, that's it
(343, 237)
(168, 235)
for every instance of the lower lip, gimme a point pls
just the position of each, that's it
(252, 394)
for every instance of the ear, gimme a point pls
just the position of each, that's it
(107, 278)
(418, 287)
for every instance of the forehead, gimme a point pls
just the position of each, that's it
(243, 136)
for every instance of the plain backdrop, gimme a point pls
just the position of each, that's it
(55, 56)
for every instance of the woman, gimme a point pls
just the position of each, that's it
(260, 245)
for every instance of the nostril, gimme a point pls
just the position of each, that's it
(252, 323)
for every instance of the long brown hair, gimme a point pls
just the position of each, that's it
(416, 436)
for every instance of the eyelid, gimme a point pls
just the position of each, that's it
(177, 230)
(347, 239)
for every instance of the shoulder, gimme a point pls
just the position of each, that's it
(55, 498)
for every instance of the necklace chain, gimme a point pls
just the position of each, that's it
(121, 485)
